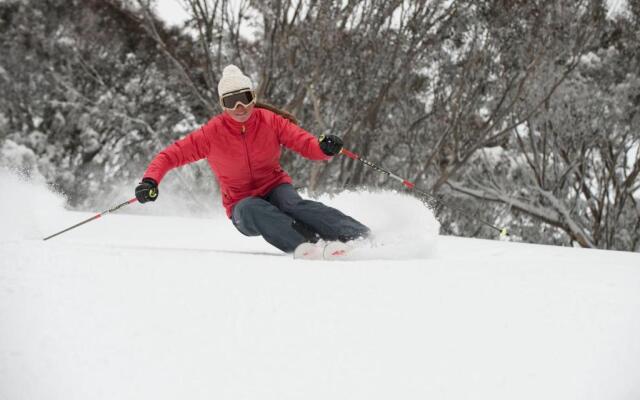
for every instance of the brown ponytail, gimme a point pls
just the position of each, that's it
(280, 112)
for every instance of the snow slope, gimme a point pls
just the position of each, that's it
(147, 307)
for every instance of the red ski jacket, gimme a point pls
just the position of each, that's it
(245, 157)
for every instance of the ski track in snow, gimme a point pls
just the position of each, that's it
(137, 307)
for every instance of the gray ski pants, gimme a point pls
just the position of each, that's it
(285, 219)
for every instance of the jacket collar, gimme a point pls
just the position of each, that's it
(237, 127)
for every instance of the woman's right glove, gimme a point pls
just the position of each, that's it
(147, 190)
(330, 144)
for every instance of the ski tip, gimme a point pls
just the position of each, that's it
(335, 251)
(308, 251)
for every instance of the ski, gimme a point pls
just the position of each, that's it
(335, 251)
(330, 251)
(309, 251)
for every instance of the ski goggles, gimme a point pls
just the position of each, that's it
(231, 100)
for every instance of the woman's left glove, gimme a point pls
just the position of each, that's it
(147, 190)
(330, 144)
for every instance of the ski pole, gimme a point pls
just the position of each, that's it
(92, 218)
(432, 201)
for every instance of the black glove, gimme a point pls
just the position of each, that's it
(330, 144)
(147, 190)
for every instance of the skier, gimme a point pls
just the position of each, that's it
(242, 146)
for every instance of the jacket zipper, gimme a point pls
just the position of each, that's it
(246, 152)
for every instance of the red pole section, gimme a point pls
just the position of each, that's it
(349, 154)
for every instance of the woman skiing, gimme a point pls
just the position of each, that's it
(242, 146)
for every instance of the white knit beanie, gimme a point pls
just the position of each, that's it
(233, 80)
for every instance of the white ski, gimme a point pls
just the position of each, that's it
(336, 251)
(330, 251)
(309, 251)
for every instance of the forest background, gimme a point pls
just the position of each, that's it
(525, 114)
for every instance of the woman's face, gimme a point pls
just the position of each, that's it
(240, 113)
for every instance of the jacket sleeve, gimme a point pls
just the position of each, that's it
(297, 139)
(193, 147)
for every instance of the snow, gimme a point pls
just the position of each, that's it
(148, 307)
(616, 7)
(173, 12)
